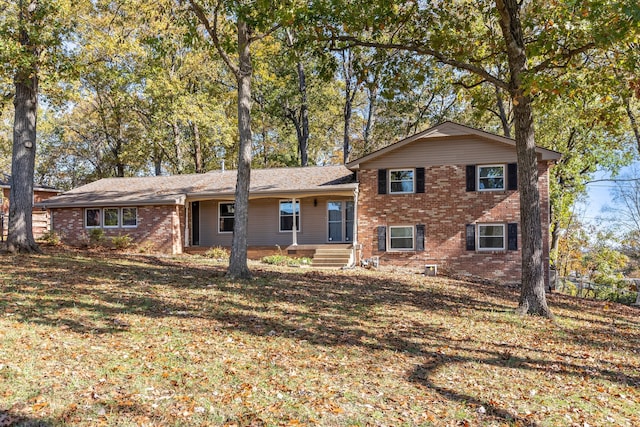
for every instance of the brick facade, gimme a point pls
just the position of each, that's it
(159, 229)
(445, 209)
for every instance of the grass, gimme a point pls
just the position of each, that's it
(102, 339)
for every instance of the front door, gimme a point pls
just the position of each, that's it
(340, 218)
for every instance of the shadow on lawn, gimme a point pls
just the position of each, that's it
(319, 307)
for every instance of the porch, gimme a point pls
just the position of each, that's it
(334, 255)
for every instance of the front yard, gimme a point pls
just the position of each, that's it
(104, 339)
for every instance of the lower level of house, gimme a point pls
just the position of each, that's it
(308, 226)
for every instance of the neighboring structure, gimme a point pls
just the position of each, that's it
(445, 197)
(40, 216)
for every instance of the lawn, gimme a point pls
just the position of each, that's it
(105, 339)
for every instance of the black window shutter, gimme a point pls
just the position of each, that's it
(420, 237)
(471, 177)
(512, 176)
(419, 180)
(382, 181)
(471, 237)
(382, 238)
(512, 237)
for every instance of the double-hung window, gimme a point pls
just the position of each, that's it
(226, 215)
(92, 218)
(129, 217)
(401, 238)
(491, 237)
(401, 181)
(287, 210)
(491, 177)
(110, 217)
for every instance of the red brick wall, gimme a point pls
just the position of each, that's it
(445, 208)
(160, 228)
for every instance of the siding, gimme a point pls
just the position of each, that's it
(264, 223)
(444, 151)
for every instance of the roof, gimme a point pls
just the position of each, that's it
(447, 129)
(5, 182)
(175, 189)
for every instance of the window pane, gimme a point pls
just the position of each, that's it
(110, 217)
(227, 214)
(491, 236)
(93, 218)
(401, 237)
(335, 231)
(129, 217)
(491, 177)
(335, 211)
(286, 215)
(401, 181)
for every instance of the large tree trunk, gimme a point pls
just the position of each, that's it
(532, 294)
(20, 234)
(303, 138)
(238, 261)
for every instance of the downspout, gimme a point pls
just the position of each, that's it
(186, 224)
(294, 229)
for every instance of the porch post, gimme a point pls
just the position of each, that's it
(186, 224)
(294, 230)
(355, 217)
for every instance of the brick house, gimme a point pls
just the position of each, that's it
(446, 197)
(40, 216)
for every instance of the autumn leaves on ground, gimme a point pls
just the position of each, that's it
(104, 339)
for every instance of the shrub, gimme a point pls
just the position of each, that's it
(96, 236)
(51, 238)
(219, 253)
(280, 259)
(122, 242)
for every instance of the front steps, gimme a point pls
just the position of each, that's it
(329, 257)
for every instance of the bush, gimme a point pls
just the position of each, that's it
(218, 253)
(280, 259)
(51, 238)
(96, 236)
(122, 242)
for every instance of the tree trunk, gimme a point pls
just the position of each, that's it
(238, 261)
(371, 115)
(349, 91)
(197, 148)
(303, 139)
(177, 146)
(632, 121)
(20, 234)
(506, 129)
(532, 294)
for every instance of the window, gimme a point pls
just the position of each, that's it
(491, 177)
(490, 237)
(110, 217)
(129, 217)
(286, 215)
(401, 181)
(401, 238)
(226, 217)
(92, 218)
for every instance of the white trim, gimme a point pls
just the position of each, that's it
(219, 217)
(299, 222)
(122, 224)
(413, 238)
(413, 181)
(504, 236)
(504, 177)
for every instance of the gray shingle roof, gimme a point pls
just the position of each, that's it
(175, 189)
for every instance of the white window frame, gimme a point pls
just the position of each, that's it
(413, 181)
(220, 217)
(86, 222)
(298, 222)
(104, 222)
(413, 238)
(504, 178)
(122, 224)
(504, 236)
